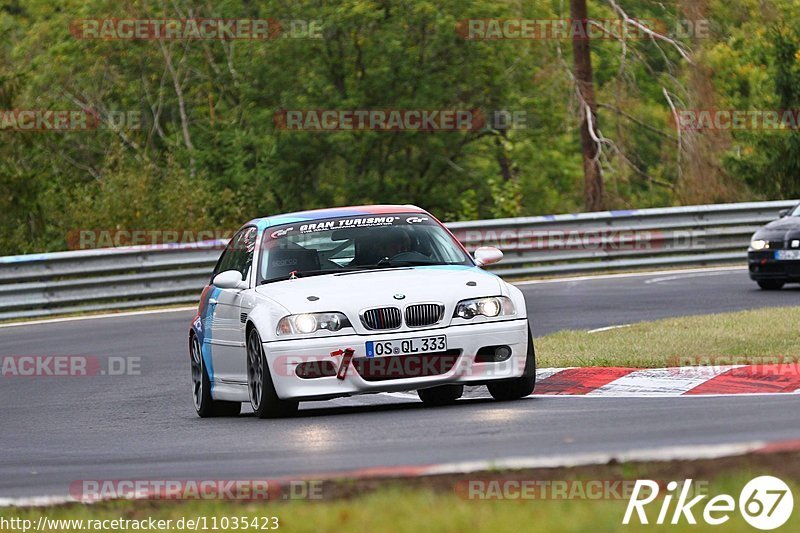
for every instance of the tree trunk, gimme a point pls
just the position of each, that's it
(581, 53)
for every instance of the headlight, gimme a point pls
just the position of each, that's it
(759, 244)
(490, 307)
(311, 322)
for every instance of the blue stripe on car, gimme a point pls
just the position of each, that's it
(473, 269)
(205, 347)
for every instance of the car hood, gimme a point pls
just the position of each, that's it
(354, 291)
(780, 230)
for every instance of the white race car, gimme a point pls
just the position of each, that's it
(321, 304)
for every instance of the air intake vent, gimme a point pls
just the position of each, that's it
(382, 318)
(423, 314)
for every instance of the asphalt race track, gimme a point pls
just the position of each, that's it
(54, 431)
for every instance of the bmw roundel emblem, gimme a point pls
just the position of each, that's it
(399, 296)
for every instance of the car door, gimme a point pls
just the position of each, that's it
(228, 353)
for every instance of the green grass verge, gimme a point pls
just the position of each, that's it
(433, 504)
(756, 336)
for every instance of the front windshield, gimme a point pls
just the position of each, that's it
(796, 212)
(329, 246)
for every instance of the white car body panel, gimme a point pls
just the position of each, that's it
(226, 315)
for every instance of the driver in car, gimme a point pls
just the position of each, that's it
(394, 241)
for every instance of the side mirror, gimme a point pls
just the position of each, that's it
(230, 279)
(487, 255)
(784, 213)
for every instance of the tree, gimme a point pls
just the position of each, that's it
(584, 79)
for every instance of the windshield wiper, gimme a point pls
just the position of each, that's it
(384, 264)
(389, 264)
(307, 274)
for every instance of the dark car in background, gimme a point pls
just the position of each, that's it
(774, 253)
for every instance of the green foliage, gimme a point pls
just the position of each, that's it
(208, 156)
(772, 164)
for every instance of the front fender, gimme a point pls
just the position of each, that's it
(264, 314)
(518, 298)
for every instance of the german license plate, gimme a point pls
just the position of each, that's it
(787, 255)
(417, 345)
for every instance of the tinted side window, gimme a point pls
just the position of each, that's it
(223, 260)
(238, 255)
(245, 247)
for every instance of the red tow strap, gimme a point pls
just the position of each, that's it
(347, 356)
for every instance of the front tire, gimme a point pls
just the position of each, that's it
(519, 387)
(204, 404)
(263, 398)
(771, 284)
(441, 395)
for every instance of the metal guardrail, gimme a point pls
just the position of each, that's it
(40, 285)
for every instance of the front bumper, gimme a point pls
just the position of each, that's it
(763, 266)
(464, 341)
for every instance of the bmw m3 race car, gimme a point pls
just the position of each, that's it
(774, 254)
(336, 302)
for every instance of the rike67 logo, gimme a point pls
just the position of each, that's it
(765, 503)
